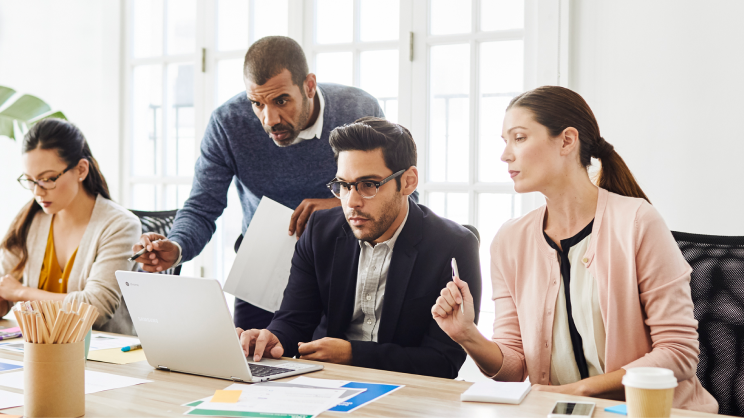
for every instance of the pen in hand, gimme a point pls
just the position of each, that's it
(139, 253)
(456, 273)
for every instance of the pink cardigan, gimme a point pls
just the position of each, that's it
(644, 295)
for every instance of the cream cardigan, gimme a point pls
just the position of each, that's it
(644, 295)
(104, 249)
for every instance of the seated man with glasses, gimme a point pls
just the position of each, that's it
(365, 275)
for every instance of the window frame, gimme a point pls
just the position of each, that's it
(545, 62)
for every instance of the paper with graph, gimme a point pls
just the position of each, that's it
(261, 268)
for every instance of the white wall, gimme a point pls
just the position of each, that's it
(68, 54)
(665, 79)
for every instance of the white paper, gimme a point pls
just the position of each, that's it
(94, 381)
(319, 383)
(499, 392)
(16, 347)
(276, 399)
(10, 399)
(261, 268)
(104, 342)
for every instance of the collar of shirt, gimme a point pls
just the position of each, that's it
(391, 242)
(316, 129)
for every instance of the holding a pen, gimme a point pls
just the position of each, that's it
(155, 252)
(450, 310)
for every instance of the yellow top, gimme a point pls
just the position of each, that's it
(52, 278)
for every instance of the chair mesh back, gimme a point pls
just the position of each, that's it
(159, 223)
(718, 294)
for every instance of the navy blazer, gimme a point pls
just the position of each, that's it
(322, 287)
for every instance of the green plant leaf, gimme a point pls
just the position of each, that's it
(6, 127)
(26, 107)
(22, 113)
(5, 94)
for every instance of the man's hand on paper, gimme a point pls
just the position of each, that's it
(307, 207)
(161, 252)
(260, 343)
(446, 311)
(330, 350)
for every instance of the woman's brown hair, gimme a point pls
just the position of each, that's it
(558, 108)
(71, 146)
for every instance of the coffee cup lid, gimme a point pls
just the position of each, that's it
(649, 378)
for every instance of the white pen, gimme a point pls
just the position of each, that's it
(455, 272)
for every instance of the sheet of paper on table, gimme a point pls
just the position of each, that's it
(116, 356)
(261, 268)
(373, 391)
(105, 342)
(10, 399)
(94, 381)
(14, 345)
(276, 401)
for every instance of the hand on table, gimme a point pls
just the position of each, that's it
(329, 350)
(10, 288)
(161, 252)
(307, 207)
(448, 314)
(576, 389)
(260, 343)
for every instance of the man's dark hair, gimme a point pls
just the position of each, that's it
(370, 133)
(269, 56)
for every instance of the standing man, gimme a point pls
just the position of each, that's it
(273, 141)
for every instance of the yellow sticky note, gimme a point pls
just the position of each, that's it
(226, 396)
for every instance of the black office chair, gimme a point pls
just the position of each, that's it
(718, 294)
(159, 223)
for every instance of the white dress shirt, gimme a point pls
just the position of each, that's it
(587, 318)
(316, 129)
(374, 262)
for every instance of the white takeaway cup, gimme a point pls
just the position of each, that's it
(649, 391)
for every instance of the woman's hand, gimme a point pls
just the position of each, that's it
(448, 313)
(10, 288)
(576, 389)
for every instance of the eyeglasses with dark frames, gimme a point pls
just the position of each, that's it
(366, 188)
(46, 184)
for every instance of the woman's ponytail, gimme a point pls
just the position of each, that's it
(558, 108)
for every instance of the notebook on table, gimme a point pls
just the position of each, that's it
(497, 392)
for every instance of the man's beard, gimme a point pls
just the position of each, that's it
(379, 226)
(294, 131)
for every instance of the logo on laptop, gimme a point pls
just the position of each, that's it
(127, 283)
(153, 320)
(133, 284)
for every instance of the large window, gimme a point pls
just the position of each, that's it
(445, 69)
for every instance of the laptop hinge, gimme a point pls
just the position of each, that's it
(235, 379)
(163, 368)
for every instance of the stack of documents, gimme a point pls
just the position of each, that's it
(498, 392)
(373, 391)
(270, 399)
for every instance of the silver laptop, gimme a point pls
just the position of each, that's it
(184, 326)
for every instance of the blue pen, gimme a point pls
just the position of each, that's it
(132, 347)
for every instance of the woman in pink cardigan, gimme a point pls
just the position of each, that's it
(587, 286)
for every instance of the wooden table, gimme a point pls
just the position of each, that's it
(422, 396)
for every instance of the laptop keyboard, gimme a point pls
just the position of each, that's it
(258, 370)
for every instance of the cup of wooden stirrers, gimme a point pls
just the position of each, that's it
(54, 356)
